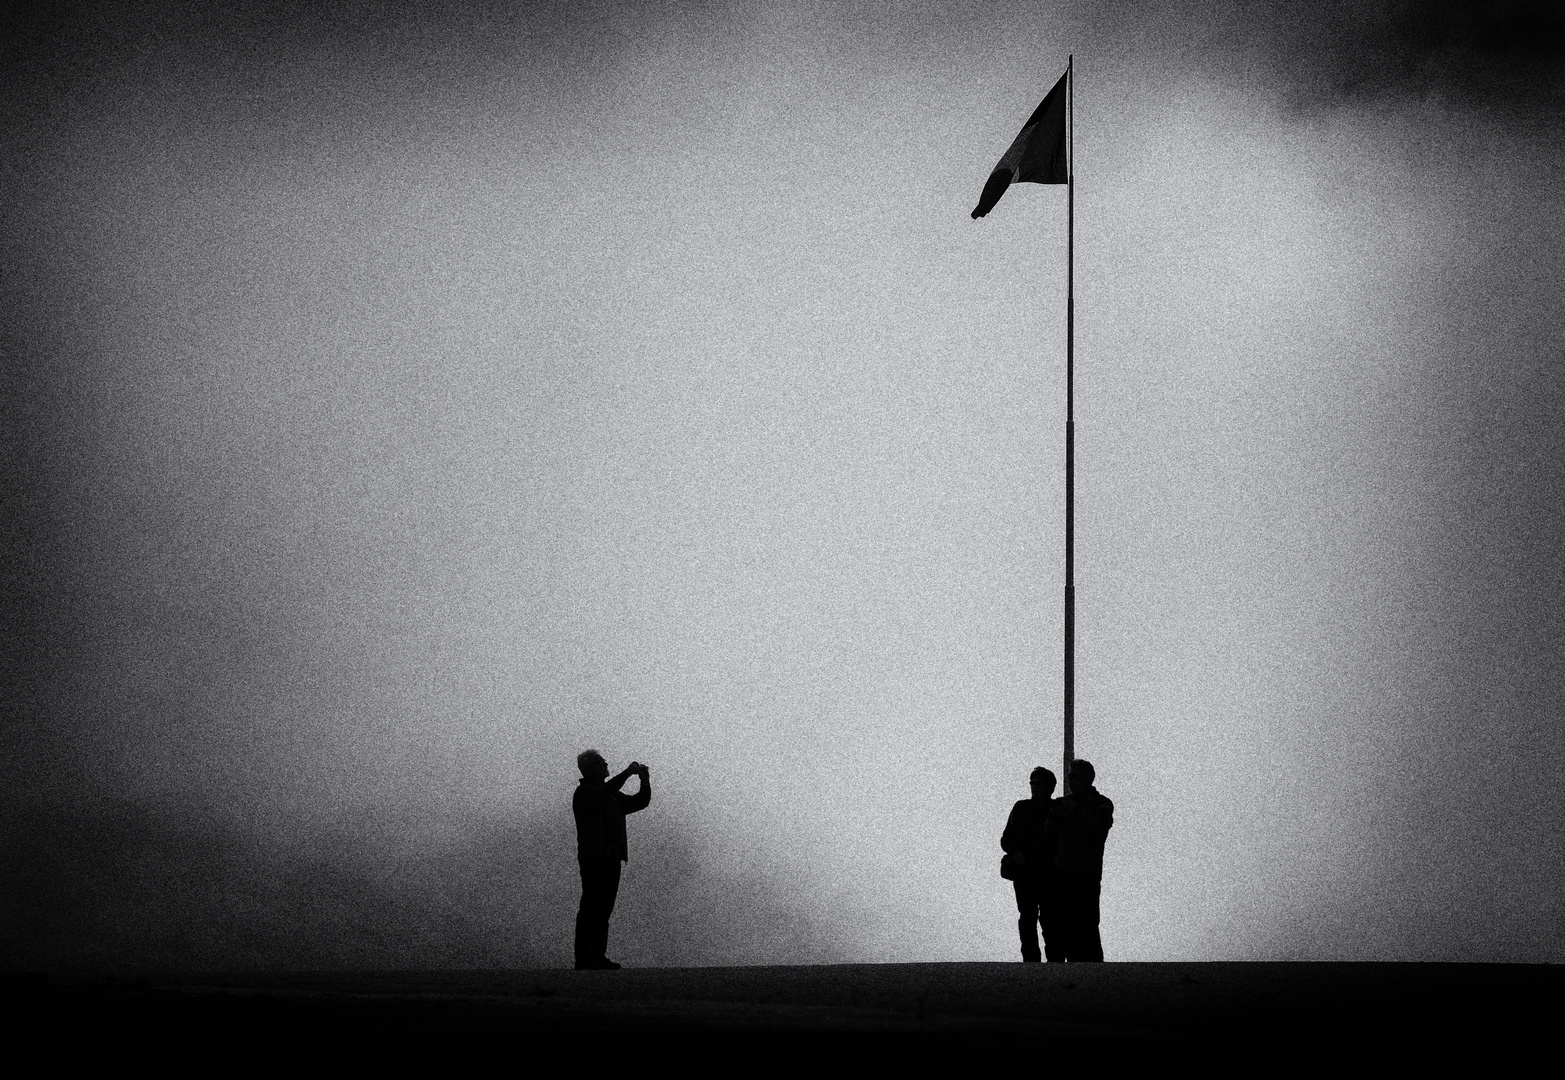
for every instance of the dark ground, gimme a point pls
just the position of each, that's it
(757, 1019)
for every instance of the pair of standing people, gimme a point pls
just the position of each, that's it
(1054, 857)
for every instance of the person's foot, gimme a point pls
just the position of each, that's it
(605, 964)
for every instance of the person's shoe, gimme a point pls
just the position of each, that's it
(605, 964)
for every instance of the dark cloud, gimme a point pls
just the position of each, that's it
(1508, 51)
(1509, 54)
(80, 41)
(301, 74)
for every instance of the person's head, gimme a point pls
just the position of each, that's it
(1082, 773)
(592, 765)
(1042, 783)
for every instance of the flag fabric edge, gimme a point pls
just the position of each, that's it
(1037, 155)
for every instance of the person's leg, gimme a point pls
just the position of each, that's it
(1065, 916)
(599, 885)
(609, 891)
(1090, 941)
(1027, 922)
(1049, 917)
(586, 918)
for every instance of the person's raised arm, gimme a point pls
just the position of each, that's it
(639, 800)
(1052, 823)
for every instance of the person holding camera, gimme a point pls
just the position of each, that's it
(600, 809)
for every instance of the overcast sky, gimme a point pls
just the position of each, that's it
(398, 403)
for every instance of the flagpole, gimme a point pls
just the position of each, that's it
(1070, 426)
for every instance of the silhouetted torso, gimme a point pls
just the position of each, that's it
(1025, 835)
(600, 809)
(1078, 825)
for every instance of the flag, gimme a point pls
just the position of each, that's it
(1038, 154)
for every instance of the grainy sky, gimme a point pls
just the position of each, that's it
(400, 401)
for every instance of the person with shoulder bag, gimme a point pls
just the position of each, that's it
(1028, 864)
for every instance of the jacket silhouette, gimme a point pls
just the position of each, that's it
(600, 809)
(1078, 826)
(1024, 836)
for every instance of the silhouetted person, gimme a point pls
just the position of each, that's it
(600, 808)
(1031, 850)
(1078, 825)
